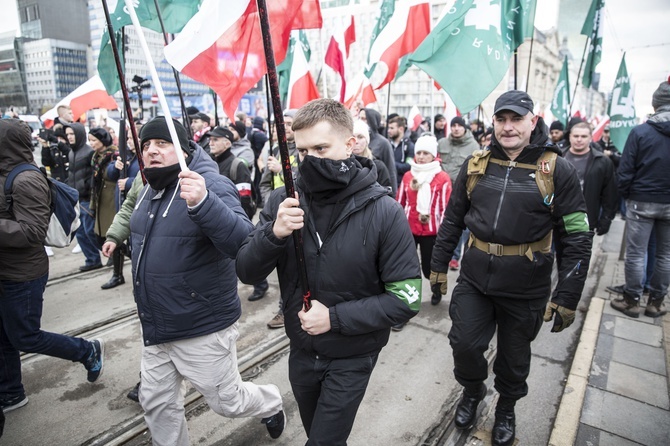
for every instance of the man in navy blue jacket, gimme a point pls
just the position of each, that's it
(644, 182)
(186, 230)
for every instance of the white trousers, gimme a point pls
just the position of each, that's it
(210, 364)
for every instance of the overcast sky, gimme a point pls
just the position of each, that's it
(640, 28)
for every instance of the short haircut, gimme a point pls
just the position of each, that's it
(582, 125)
(399, 121)
(328, 110)
(62, 107)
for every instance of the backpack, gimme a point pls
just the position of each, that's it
(233, 177)
(544, 168)
(64, 207)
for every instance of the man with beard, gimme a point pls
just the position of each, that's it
(362, 270)
(185, 232)
(505, 278)
(403, 147)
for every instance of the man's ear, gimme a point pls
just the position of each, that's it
(534, 121)
(350, 143)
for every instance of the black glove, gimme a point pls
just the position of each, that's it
(603, 226)
(438, 282)
(563, 317)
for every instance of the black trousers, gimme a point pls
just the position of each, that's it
(425, 243)
(328, 392)
(475, 317)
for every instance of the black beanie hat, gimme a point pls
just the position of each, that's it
(661, 96)
(458, 120)
(102, 135)
(240, 128)
(556, 125)
(157, 128)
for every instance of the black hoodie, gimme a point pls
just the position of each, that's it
(381, 147)
(503, 210)
(81, 171)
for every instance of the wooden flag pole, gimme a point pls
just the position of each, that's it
(283, 146)
(579, 73)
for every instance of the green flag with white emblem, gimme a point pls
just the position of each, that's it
(593, 29)
(466, 53)
(175, 14)
(621, 107)
(561, 101)
(387, 10)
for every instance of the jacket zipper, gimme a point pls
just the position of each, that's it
(495, 223)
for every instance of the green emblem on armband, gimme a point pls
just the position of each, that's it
(409, 291)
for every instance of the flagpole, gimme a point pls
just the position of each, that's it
(388, 110)
(579, 73)
(216, 108)
(124, 88)
(267, 101)
(530, 59)
(159, 87)
(283, 146)
(185, 117)
(325, 74)
(516, 57)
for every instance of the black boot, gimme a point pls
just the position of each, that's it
(655, 306)
(466, 411)
(259, 291)
(117, 276)
(505, 422)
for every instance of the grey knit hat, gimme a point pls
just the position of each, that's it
(661, 96)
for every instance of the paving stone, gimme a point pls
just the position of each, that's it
(638, 384)
(588, 435)
(638, 331)
(638, 355)
(625, 417)
(601, 361)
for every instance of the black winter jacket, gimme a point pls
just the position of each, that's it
(381, 147)
(183, 260)
(506, 207)
(600, 191)
(643, 173)
(241, 179)
(366, 271)
(81, 170)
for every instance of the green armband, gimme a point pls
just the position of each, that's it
(409, 291)
(576, 222)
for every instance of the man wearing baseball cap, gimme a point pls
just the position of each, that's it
(505, 277)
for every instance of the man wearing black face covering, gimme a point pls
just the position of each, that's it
(362, 269)
(186, 230)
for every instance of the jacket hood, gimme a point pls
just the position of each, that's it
(258, 122)
(201, 161)
(79, 135)
(661, 120)
(539, 139)
(464, 140)
(374, 119)
(16, 144)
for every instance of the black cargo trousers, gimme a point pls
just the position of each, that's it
(475, 317)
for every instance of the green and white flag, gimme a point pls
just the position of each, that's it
(387, 10)
(175, 14)
(593, 29)
(621, 107)
(561, 101)
(519, 21)
(284, 68)
(466, 52)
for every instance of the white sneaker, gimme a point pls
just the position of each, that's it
(50, 252)
(77, 249)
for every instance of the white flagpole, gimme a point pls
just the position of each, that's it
(325, 70)
(157, 84)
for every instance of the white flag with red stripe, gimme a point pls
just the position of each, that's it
(360, 90)
(89, 95)
(414, 119)
(403, 33)
(338, 53)
(301, 87)
(222, 45)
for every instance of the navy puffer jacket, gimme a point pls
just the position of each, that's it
(183, 261)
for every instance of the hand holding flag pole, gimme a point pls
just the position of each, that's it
(281, 139)
(157, 84)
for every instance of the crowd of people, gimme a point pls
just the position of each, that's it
(377, 203)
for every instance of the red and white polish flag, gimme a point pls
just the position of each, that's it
(338, 53)
(89, 95)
